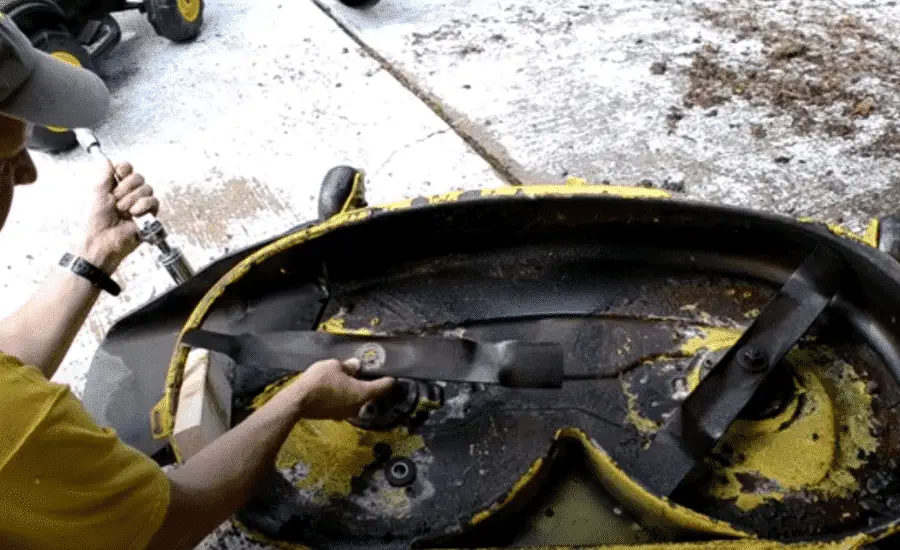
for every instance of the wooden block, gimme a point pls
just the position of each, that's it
(204, 404)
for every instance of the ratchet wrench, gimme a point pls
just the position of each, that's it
(150, 229)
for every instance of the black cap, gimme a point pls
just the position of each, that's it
(41, 89)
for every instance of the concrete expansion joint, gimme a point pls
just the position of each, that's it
(509, 171)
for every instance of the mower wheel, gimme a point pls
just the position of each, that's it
(342, 189)
(177, 20)
(359, 4)
(64, 46)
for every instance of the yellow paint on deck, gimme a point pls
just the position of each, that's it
(649, 508)
(645, 505)
(575, 181)
(623, 191)
(395, 498)
(336, 325)
(333, 452)
(824, 459)
(738, 545)
(653, 510)
(809, 441)
(823, 456)
(519, 485)
(693, 378)
(451, 196)
(852, 399)
(272, 389)
(401, 204)
(844, 232)
(870, 236)
(711, 339)
(634, 417)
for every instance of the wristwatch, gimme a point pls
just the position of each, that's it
(83, 268)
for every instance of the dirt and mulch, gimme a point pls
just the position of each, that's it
(826, 69)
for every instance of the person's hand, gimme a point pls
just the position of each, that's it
(328, 390)
(111, 233)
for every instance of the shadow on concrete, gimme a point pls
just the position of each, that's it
(140, 41)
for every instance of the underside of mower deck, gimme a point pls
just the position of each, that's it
(578, 365)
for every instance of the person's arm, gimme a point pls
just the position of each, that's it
(213, 484)
(42, 330)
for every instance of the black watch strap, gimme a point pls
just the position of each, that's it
(92, 273)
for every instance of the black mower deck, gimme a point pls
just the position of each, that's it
(644, 296)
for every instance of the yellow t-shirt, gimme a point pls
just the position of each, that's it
(64, 481)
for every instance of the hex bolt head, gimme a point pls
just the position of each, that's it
(752, 359)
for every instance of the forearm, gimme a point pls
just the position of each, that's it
(42, 330)
(213, 484)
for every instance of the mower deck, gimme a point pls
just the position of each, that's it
(644, 295)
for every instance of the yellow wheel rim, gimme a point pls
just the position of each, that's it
(71, 60)
(189, 9)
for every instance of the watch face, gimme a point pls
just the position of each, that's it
(81, 267)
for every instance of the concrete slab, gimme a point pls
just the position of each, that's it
(703, 95)
(234, 132)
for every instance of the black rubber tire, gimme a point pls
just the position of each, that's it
(342, 187)
(177, 20)
(64, 46)
(889, 236)
(359, 4)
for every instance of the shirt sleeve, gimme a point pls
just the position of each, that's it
(65, 481)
